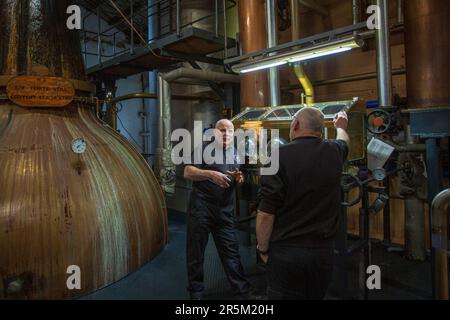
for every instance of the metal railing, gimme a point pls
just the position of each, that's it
(171, 10)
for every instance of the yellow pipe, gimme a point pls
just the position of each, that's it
(305, 82)
(298, 68)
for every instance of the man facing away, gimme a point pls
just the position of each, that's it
(299, 209)
(212, 211)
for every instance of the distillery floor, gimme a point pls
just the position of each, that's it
(164, 278)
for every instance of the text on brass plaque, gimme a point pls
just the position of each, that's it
(36, 91)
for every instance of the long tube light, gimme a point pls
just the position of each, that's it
(309, 53)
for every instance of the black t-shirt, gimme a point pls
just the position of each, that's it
(305, 194)
(208, 190)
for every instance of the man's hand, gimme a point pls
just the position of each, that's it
(341, 120)
(237, 175)
(219, 178)
(264, 257)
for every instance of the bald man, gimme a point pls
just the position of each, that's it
(299, 208)
(212, 211)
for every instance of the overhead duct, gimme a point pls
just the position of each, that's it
(165, 165)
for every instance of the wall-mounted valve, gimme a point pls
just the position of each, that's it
(379, 121)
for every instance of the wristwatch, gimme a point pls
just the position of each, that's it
(261, 252)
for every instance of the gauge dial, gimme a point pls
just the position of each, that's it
(379, 174)
(79, 145)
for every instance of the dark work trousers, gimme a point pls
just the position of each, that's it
(204, 218)
(295, 273)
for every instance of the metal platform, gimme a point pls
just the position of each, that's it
(191, 44)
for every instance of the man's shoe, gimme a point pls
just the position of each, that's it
(196, 295)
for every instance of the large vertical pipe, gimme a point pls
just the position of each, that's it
(427, 49)
(356, 11)
(383, 45)
(166, 170)
(252, 26)
(400, 15)
(272, 40)
(298, 67)
(153, 32)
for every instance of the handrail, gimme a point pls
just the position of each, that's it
(439, 248)
(141, 12)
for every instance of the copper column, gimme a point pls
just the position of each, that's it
(253, 35)
(427, 46)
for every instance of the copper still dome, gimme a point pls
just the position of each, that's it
(101, 210)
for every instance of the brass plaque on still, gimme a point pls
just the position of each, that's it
(35, 91)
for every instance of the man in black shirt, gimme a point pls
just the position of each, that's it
(212, 211)
(299, 209)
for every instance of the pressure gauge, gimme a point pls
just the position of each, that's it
(78, 145)
(379, 174)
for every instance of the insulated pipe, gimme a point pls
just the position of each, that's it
(439, 244)
(205, 75)
(272, 30)
(383, 48)
(298, 67)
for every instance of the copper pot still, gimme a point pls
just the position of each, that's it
(79, 206)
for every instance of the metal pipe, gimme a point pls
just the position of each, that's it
(178, 18)
(306, 84)
(439, 244)
(383, 48)
(114, 44)
(406, 148)
(146, 95)
(400, 15)
(356, 77)
(85, 49)
(99, 40)
(356, 13)
(271, 24)
(225, 31)
(216, 18)
(166, 172)
(205, 75)
(298, 67)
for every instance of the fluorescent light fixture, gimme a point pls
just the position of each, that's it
(319, 54)
(312, 52)
(270, 65)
